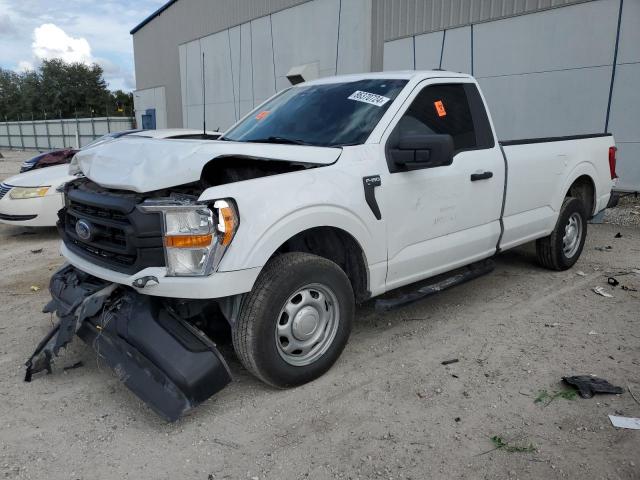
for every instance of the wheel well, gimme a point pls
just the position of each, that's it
(584, 189)
(338, 246)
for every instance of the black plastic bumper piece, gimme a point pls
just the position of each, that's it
(171, 365)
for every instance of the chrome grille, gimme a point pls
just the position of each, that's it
(4, 189)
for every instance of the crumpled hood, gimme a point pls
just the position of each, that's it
(147, 164)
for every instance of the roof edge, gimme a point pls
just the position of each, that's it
(152, 16)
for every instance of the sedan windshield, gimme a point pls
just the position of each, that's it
(324, 115)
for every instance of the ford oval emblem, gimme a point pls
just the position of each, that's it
(83, 230)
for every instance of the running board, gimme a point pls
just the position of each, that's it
(437, 284)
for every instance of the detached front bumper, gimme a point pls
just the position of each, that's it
(167, 362)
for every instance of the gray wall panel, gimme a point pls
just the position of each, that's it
(263, 67)
(628, 166)
(428, 49)
(245, 70)
(565, 102)
(194, 79)
(355, 37)
(573, 37)
(398, 54)
(306, 34)
(457, 50)
(629, 48)
(625, 125)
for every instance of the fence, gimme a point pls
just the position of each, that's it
(59, 133)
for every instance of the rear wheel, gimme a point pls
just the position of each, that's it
(561, 249)
(296, 321)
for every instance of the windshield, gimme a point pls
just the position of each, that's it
(326, 115)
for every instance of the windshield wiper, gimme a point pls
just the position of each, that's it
(282, 140)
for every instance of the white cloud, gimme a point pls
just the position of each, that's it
(24, 65)
(50, 41)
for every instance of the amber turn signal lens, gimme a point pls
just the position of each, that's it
(229, 225)
(188, 241)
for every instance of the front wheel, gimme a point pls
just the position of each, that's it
(296, 321)
(561, 249)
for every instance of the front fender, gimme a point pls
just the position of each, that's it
(276, 208)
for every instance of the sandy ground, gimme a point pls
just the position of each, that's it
(388, 408)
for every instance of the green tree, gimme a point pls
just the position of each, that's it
(59, 88)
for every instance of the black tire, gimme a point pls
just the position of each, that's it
(254, 333)
(550, 250)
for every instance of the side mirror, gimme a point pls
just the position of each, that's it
(414, 151)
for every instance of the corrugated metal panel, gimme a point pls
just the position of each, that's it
(402, 18)
(393, 19)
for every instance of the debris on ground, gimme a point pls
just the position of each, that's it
(551, 325)
(600, 291)
(501, 444)
(36, 250)
(74, 366)
(581, 273)
(604, 249)
(34, 288)
(588, 386)
(625, 422)
(544, 396)
(628, 289)
(613, 281)
(449, 362)
(633, 394)
(593, 332)
(618, 235)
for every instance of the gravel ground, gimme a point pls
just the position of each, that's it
(387, 409)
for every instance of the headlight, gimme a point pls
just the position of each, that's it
(20, 193)
(195, 236)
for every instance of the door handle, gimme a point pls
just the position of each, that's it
(481, 176)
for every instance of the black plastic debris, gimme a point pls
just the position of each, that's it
(74, 366)
(36, 250)
(604, 249)
(449, 362)
(588, 386)
(618, 235)
(613, 281)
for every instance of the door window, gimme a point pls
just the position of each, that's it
(447, 109)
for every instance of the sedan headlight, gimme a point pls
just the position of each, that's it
(20, 193)
(195, 236)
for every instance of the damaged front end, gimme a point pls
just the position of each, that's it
(165, 360)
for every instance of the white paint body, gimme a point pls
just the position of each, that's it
(433, 220)
(45, 208)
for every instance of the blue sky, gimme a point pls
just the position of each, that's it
(76, 30)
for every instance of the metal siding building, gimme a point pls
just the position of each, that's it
(547, 67)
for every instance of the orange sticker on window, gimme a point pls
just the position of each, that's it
(262, 114)
(440, 108)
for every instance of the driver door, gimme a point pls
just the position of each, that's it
(440, 213)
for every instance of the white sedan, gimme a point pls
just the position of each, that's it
(32, 199)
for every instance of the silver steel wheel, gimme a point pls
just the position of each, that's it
(572, 235)
(307, 324)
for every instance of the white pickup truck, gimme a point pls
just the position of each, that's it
(328, 194)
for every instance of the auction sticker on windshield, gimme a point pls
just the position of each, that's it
(371, 98)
